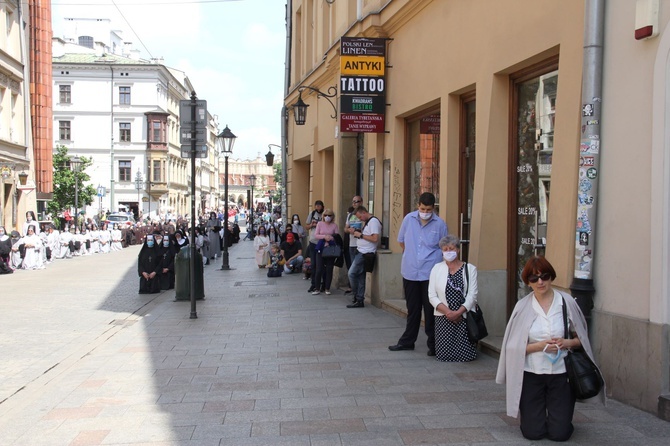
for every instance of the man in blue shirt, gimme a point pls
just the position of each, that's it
(419, 238)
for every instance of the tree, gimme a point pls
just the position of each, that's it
(276, 197)
(64, 183)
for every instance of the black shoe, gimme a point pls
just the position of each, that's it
(311, 289)
(399, 347)
(431, 353)
(353, 300)
(357, 304)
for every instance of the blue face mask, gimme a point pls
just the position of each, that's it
(150, 243)
(553, 357)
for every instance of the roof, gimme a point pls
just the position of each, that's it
(107, 59)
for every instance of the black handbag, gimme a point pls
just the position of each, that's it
(475, 318)
(583, 375)
(331, 251)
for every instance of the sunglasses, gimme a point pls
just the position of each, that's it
(356, 201)
(544, 276)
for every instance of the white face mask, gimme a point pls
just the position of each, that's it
(449, 256)
(425, 215)
(328, 219)
(295, 222)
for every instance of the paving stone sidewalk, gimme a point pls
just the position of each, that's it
(266, 363)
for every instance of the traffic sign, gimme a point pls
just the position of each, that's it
(200, 151)
(200, 113)
(185, 136)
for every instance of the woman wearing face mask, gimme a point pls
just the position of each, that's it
(31, 221)
(452, 290)
(532, 356)
(262, 246)
(297, 227)
(326, 232)
(148, 267)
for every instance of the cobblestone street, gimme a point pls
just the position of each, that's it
(87, 361)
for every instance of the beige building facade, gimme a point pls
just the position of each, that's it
(484, 109)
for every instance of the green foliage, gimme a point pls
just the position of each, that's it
(276, 197)
(64, 183)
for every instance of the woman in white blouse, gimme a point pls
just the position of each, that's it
(531, 358)
(452, 290)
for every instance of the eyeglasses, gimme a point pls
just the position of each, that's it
(544, 276)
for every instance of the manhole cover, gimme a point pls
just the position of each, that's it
(252, 283)
(264, 295)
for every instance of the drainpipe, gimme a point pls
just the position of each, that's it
(111, 152)
(284, 113)
(587, 191)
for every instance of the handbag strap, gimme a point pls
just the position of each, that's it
(566, 333)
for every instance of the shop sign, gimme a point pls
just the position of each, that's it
(430, 125)
(363, 104)
(362, 85)
(362, 46)
(363, 123)
(362, 65)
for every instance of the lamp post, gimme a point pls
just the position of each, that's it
(300, 108)
(138, 186)
(252, 180)
(75, 165)
(225, 141)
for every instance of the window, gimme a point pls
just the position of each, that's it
(157, 132)
(64, 130)
(124, 95)
(424, 158)
(124, 131)
(124, 171)
(65, 94)
(157, 171)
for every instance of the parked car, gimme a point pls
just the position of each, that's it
(120, 218)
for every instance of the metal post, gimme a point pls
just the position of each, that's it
(76, 197)
(225, 258)
(194, 314)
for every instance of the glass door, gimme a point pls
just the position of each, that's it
(533, 147)
(467, 171)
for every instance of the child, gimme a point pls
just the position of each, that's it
(276, 262)
(307, 268)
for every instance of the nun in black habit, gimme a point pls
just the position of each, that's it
(166, 253)
(149, 267)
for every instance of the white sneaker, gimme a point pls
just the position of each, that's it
(314, 293)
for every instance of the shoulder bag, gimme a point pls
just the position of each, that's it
(475, 319)
(584, 377)
(331, 251)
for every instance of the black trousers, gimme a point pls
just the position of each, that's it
(546, 407)
(416, 298)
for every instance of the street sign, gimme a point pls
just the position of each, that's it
(200, 114)
(200, 151)
(185, 136)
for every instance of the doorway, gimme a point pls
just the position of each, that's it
(467, 148)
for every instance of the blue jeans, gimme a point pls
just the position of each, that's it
(295, 263)
(357, 277)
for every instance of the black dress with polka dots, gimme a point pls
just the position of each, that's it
(451, 340)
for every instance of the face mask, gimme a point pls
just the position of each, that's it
(295, 222)
(2, 233)
(30, 218)
(328, 219)
(449, 256)
(150, 243)
(553, 357)
(166, 240)
(425, 215)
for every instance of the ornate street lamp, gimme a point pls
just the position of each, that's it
(225, 142)
(252, 180)
(138, 185)
(300, 108)
(75, 165)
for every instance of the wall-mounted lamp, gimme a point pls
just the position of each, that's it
(23, 178)
(269, 157)
(300, 108)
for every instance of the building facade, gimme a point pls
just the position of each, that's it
(17, 179)
(239, 180)
(123, 112)
(482, 106)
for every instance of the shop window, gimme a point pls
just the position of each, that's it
(424, 158)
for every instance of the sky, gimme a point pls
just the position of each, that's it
(232, 51)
